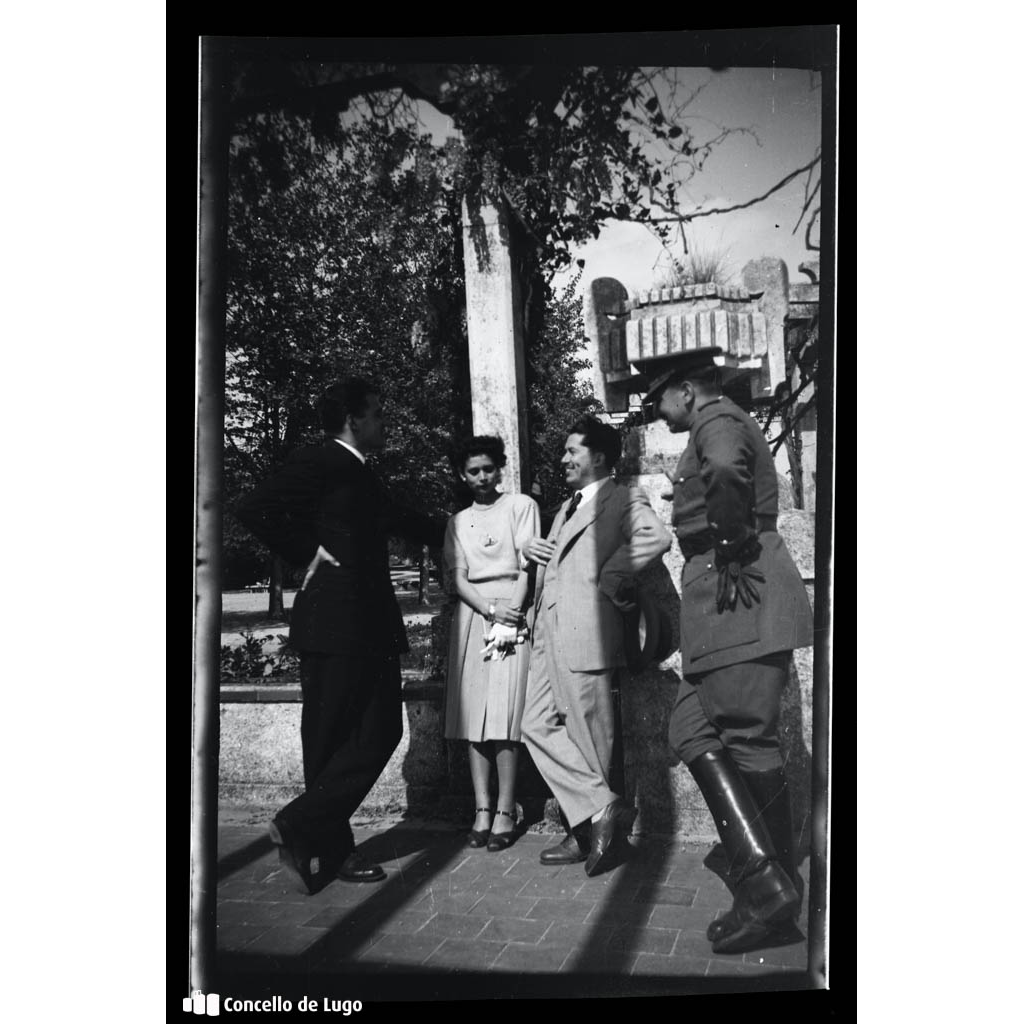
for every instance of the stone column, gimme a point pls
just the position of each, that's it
(497, 368)
(604, 299)
(770, 277)
(809, 456)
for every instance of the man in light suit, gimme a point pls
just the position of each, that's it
(600, 538)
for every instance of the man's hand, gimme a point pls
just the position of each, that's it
(736, 578)
(321, 556)
(539, 550)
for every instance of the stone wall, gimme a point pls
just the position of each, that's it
(428, 777)
(261, 753)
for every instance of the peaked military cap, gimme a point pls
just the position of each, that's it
(657, 372)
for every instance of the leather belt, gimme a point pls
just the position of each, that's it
(698, 543)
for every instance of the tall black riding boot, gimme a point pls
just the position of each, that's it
(765, 900)
(771, 794)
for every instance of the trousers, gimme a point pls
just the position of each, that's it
(351, 725)
(734, 708)
(569, 726)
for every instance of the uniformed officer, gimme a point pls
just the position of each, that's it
(743, 610)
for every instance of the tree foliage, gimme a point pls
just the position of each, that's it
(345, 256)
(339, 263)
(345, 238)
(558, 393)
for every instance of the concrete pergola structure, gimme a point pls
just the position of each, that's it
(754, 324)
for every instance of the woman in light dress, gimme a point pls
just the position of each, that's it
(488, 655)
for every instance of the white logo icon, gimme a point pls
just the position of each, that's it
(200, 1003)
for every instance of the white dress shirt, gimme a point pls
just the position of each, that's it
(591, 490)
(355, 451)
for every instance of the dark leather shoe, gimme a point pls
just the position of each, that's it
(310, 871)
(568, 851)
(606, 833)
(357, 868)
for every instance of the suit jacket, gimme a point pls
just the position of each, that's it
(725, 487)
(608, 540)
(325, 496)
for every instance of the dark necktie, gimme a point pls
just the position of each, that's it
(573, 505)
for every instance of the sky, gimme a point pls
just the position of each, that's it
(780, 105)
(783, 107)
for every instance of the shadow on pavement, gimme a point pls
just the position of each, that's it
(242, 857)
(352, 914)
(354, 942)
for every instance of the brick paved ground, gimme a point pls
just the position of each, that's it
(451, 923)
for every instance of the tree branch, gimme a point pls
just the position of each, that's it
(686, 217)
(807, 233)
(789, 398)
(253, 465)
(809, 193)
(780, 440)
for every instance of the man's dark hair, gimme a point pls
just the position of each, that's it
(599, 437)
(349, 397)
(481, 444)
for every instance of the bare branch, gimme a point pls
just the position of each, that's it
(777, 442)
(809, 193)
(807, 205)
(787, 399)
(686, 217)
(807, 233)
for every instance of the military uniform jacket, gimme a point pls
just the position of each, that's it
(725, 487)
(326, 496)
(607, 541)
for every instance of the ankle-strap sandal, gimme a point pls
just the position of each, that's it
(503, 840)
(478, 837)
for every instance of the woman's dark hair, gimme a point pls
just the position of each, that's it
(599, 437)
(482, 444)
(346, 398)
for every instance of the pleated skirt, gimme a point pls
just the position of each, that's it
(483, 699)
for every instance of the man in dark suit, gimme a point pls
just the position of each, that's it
(326, 510)
(744, 609)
